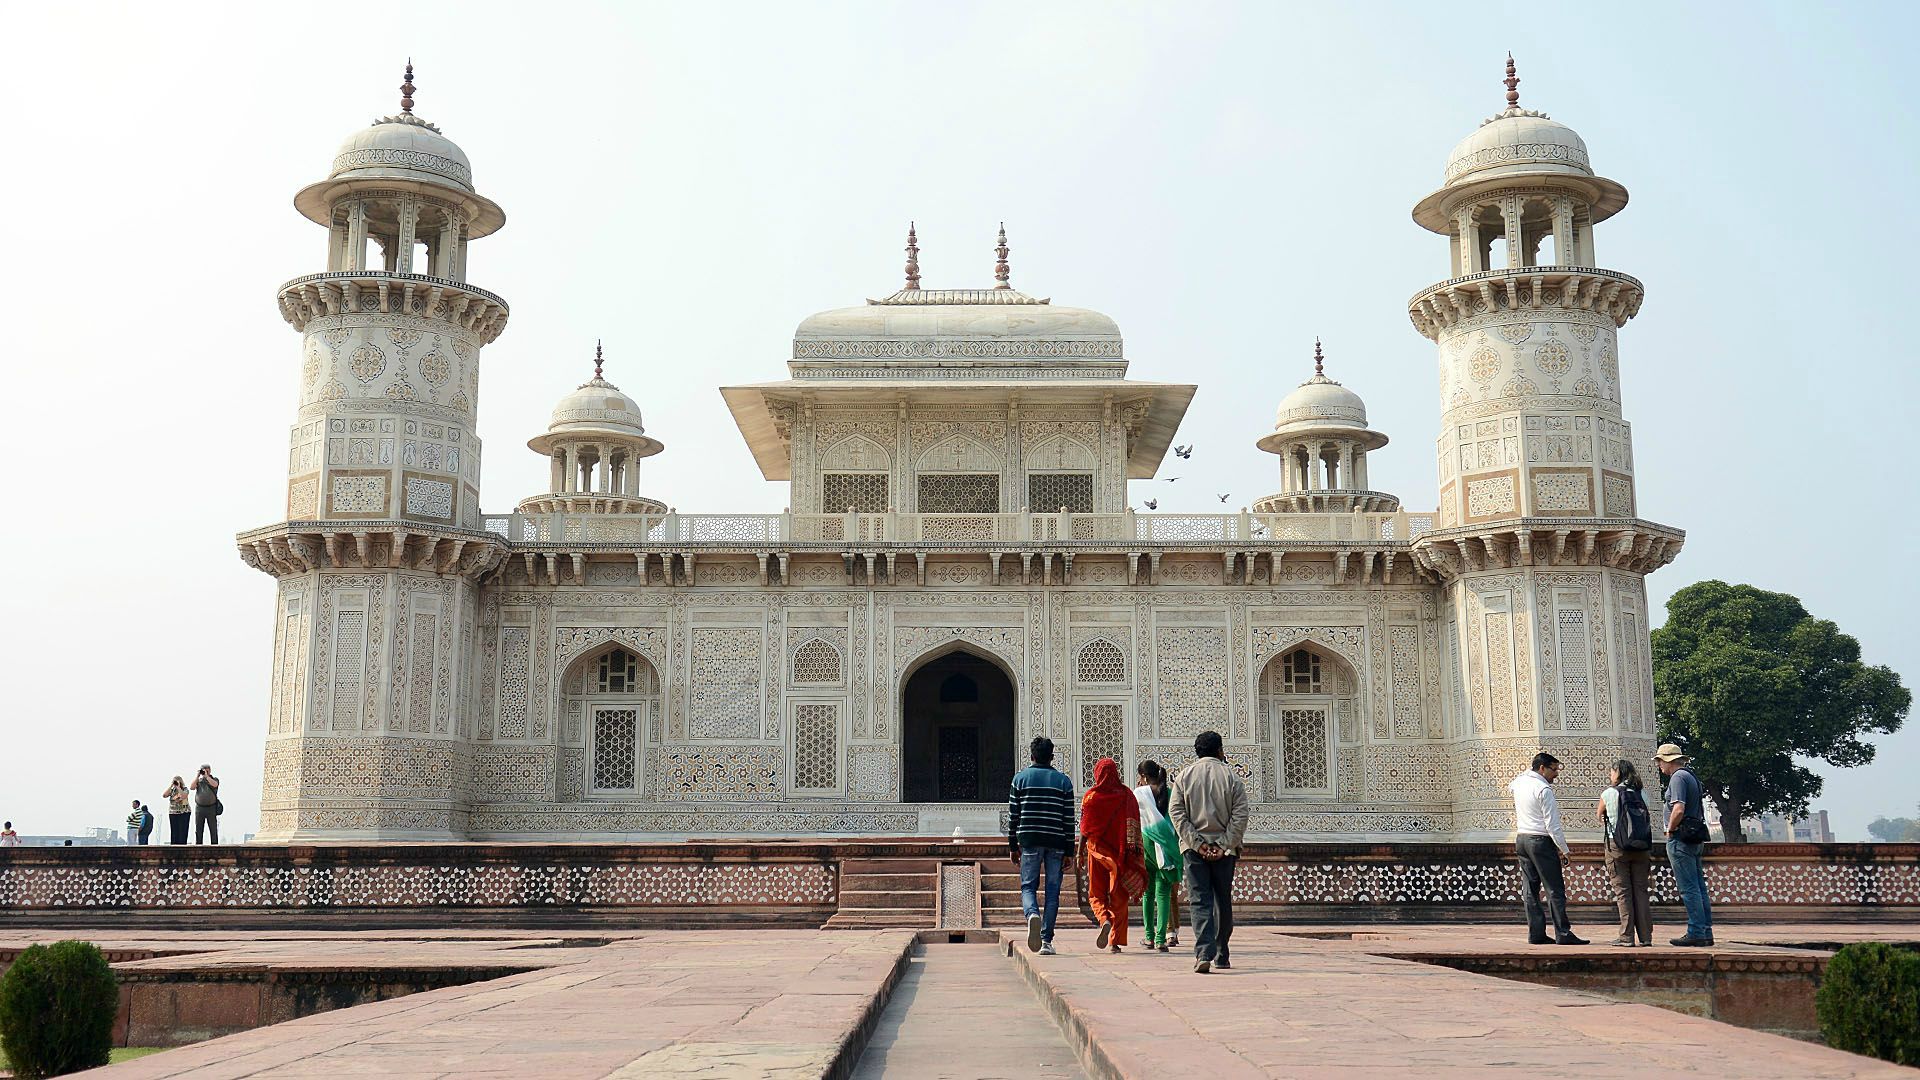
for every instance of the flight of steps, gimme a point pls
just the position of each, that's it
(889, 892)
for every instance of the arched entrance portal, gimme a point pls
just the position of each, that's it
(957, 716)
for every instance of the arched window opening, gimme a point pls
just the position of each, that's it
(617, 673)
(816, 662)
(1300, 672)
(1101, 662)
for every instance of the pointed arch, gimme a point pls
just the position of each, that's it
(856, 453)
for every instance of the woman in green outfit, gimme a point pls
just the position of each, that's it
(1163, 857)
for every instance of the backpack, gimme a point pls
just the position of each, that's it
(1632, 828)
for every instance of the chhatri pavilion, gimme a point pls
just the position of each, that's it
(959, 569)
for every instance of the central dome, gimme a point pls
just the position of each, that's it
(959, 323)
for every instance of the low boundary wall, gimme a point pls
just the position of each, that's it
(796, 883)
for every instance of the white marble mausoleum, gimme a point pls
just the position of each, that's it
(960, 568)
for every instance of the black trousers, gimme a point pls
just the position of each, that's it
(1210, 903)
(1539, 863)
(179, 823)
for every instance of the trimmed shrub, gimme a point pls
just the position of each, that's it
(1869, 1002)
(57, 1004)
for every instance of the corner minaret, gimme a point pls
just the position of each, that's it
(390, 379)
(380, 553)
(1541, 547)
(1526, 323)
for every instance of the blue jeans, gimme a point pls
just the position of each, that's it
(1031, 863)
(1691, 880)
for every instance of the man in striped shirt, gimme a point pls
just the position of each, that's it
(1040, 833)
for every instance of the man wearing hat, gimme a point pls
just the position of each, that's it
(1686, 840)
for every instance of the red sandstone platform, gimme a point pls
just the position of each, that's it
(1320, 1001)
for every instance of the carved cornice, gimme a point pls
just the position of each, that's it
(376, 292)
(1528, 288)
(1636, 546)
(300, 547)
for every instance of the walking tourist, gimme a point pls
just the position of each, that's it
(9, 838)
(1040, 833)
(1110, 846)
(1542, 848)
(179, 812)
(1163, 855)
(1209, 812)
(133, 822)
(1686, 842)
(206, 806)
(1629, 839)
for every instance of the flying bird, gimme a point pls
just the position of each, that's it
(1153, 504)
(1183, 452)
(1169, 479)
(1224, 498)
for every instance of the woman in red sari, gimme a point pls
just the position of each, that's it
(1115, 860)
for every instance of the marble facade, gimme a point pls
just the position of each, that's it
(596, 665)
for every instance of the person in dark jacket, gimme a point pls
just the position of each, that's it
(1040, 834)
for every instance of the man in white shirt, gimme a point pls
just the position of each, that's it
(1542, 846)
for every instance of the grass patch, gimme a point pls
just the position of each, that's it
(118, 1054)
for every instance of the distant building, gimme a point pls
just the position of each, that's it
(1778, 829)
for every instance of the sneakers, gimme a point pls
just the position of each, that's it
(1046, 948)
(1539, 940)
(1201, 967)
(1106, 931)
(1162, 946)
(1222, 964)
(1033, 933)
(1622, 943)
(1688, 941)
(1113, 948)
(1173, 939)
(1569, 939)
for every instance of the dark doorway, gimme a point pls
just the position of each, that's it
(957, 714)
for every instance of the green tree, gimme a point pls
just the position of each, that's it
(1895, 830)
(1745, 681)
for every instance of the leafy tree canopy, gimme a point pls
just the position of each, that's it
(1745, 680)
(1895, 830)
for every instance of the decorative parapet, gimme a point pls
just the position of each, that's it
(376, 292)
(1525, 288)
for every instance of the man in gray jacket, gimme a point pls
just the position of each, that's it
(1209, 811)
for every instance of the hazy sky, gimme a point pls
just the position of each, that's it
(689, 181)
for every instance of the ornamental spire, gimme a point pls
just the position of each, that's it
(913, 259)
(406, 91)
(598, 359)
(1000, 267)
(1319, 362)
(1513, 84)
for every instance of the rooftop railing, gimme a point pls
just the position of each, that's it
(949, 529)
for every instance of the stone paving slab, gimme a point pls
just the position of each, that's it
(1296, 1007)
(682, 1004)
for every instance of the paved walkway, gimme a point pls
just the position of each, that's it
(1301, 1001)
(962, 1012)
(767, 1003)
(1297, 1007)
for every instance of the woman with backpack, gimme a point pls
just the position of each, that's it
(1629, 836)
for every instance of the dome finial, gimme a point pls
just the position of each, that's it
(1000, 268)
(913, 258)
(406, 90)
(598, 359)
(1319, 362)
(1513, 84)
